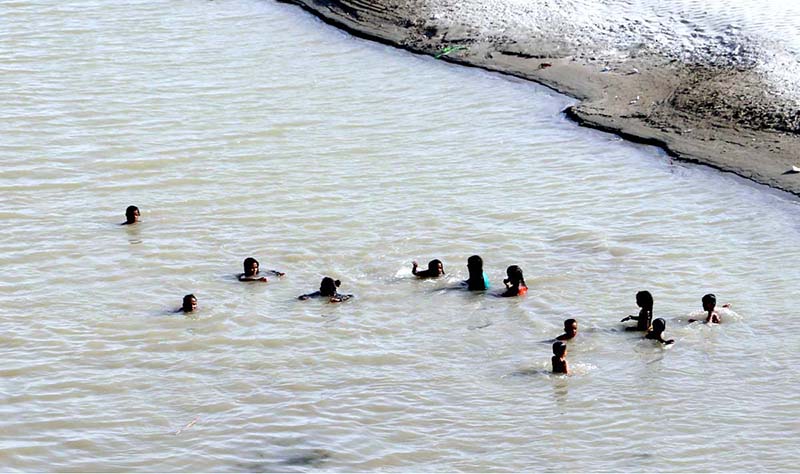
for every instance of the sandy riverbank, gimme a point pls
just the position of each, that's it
(715, 108)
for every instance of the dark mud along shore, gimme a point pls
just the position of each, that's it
(722, 114)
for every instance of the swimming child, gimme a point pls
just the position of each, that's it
(559, 358)
(570, 330)
(477, 281)
(252, 273)
(644, 300)
(515, 283)
(189, 304)
(131, 215)
(435, 269)
(709, 306)
(656, 332)
(329, 289)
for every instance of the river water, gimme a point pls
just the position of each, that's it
(247, 128)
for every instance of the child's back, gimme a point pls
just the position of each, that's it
(559, 358)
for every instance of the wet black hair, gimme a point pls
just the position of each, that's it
(710, 298)
(644, 299)
(187, 302)
(568, 322)
(433, 266)
(129, 214)
(659, 325)
(559, 348)
(328, 286)
(515, 275)
(248, 262)
(475, 262)
(475, 268)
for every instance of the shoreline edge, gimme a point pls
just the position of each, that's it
(720, 117)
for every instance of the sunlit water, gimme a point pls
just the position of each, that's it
(247, 128)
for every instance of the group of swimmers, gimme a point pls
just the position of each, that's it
(477, 281)
(653, 328)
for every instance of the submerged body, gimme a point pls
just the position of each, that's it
(477, 281)
(515, 283)
(132, 215)
(570, 330)
(189, 304)
(656, 333)
(644, 300)
(328, 288)
(435, 269)
(559, 359)
(710, 307)
(252, 271)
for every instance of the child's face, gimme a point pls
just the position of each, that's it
(709, 305)
(253, 268)
(190, 304)
(572, 329)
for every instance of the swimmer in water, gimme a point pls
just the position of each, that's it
(327, 288)
(252, 272)
(435, 269)
(644, 300)
(570, 330)
(515, 283)
(131, 215)
(559, 358)
(477, 281)
(709, 306)
(189, 304)
(656, 332)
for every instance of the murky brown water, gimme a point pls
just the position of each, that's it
(248, 128)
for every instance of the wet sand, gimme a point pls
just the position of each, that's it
(723, 114)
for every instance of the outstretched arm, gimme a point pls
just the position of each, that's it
(308, 296)
(339, 298)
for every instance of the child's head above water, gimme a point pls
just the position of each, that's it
(571, 326)
(250, 266)
(644, 300)
(709, 302)
(435, 266)
(131, 215)
(559, 349)
(657, 330)
(475, 263)
(189, 303)
(515, 276)
(329, 286)
(659, 325)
